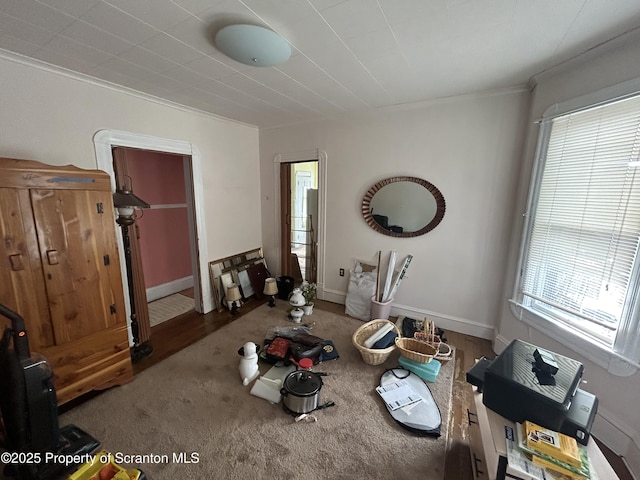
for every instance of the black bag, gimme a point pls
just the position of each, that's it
(328, 352)
(306, 339)
(409, 327)
(300, 351)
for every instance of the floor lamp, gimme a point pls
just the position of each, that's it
(126, 204)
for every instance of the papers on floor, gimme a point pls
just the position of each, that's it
(398, 394)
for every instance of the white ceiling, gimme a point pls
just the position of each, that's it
(348, 55)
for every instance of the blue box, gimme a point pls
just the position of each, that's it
(426, 371)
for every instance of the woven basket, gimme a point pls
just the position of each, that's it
(416, 350)
(444, 352)
(372, 356)
(428, 334)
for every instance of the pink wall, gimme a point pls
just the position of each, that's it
(158, 178)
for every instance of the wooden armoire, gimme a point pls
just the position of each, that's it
(60, 270)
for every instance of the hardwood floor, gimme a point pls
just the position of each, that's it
(175, 334)
(458, 463)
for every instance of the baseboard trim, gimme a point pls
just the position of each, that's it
(616, 436)
(446, 322)
(500, 343)
(169, 288)
(443, 321)
(334, 296)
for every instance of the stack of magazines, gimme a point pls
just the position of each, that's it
(559, 456)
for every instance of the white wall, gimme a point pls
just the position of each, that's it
(52, 118)
(469, 147)
(618, 421)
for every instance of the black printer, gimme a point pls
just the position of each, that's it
(526, 382)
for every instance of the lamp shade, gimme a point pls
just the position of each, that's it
(125, 198)
(270, 286)
(297, 299)
(252, 45)
(126, 204)
(233, 293)
(126, 211)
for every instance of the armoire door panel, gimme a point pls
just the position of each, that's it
(21, 287)
(90, 362)
(71, 230)
(60, 270)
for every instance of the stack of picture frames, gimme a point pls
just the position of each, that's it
(248, 270)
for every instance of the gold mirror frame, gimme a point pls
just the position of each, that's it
(437, 195)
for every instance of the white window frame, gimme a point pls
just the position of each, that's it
(623, 359)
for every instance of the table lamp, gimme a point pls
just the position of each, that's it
(271, 289)
(233, 295)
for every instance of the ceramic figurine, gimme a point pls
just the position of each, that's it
(249, 364)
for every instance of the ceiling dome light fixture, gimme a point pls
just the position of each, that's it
(253, 45)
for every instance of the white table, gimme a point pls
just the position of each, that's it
(489, 451)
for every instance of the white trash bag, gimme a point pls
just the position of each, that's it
(362, 286)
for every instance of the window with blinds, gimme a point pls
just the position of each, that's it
(579, 265)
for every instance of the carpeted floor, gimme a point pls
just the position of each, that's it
(194, 404)
(169, 307)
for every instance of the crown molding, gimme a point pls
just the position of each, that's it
(83, 77)
(629, 37)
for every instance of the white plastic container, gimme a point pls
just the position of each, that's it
(380, 309)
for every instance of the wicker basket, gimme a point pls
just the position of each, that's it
(445, 352)
(372, 356)
(416, 350)
(428, 334)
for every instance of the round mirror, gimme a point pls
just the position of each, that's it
(403, 206)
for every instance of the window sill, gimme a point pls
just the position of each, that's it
(590, 349)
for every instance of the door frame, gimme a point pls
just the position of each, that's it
(104, 141)
(284, 212)
(304, 156)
